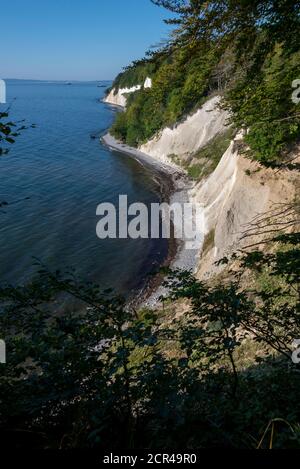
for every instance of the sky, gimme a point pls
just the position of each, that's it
(76, 39)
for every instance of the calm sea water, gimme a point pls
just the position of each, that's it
(66, 174)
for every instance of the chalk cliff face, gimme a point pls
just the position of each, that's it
(190, 135)
(235, 194)
(148, 83)
(118, 97)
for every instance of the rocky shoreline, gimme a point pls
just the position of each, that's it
(175, 187)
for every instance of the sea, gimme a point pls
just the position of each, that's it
(54, 177)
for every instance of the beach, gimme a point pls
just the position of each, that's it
(176, 187)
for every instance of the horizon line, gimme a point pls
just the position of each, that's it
(57, 80)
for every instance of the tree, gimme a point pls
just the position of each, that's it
(9, 131)
(109, 377)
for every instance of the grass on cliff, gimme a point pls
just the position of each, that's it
(205, 160)
(209, 242)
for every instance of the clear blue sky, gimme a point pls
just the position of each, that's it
(76, 39)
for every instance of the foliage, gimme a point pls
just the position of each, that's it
(263, 105)
(179, 85)
(205, 160)
(8, 132)
(134, 74)
(246, 51)
(108, 377)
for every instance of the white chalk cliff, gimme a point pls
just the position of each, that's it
(187, 137)
(148, 83)
(118, 97)
(238, 189)
(236, 193)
